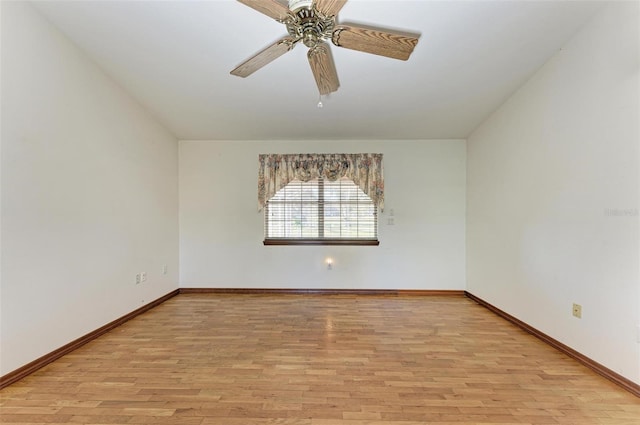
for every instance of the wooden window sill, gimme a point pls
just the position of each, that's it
(303, 241)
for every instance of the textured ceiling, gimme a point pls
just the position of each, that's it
(174, 57)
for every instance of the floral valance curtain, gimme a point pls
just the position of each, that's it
(276, 171)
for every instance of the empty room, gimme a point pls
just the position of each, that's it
(320, 212)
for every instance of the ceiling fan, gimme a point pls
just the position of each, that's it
(313, 22)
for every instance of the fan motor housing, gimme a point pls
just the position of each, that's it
(310, 26)
(297, 4)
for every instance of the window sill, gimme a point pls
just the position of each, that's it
(302, 241)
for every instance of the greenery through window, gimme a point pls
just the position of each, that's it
(321, 212)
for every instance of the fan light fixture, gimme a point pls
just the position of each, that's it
(313, 22)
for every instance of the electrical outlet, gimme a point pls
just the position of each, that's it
(577, 311)
(138, 278)
(143, 276)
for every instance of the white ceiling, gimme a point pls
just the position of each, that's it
(174, 57)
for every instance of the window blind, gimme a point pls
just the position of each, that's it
(321, 210)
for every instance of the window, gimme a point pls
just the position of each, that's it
(321, 212)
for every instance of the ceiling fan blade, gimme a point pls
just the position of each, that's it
(323, 68)
(264, 57)
(271, 8)
(330, 7)
(377, 42)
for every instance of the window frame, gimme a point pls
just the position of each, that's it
(321, 240)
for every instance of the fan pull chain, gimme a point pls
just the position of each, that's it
(320, 105)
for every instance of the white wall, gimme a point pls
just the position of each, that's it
(221, 231)
(89, 194)
(553, 196)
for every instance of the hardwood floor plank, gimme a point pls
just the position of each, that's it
(347, 359)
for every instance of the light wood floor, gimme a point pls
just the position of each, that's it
(317, 360)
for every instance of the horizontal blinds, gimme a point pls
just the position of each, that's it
(321, 209)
